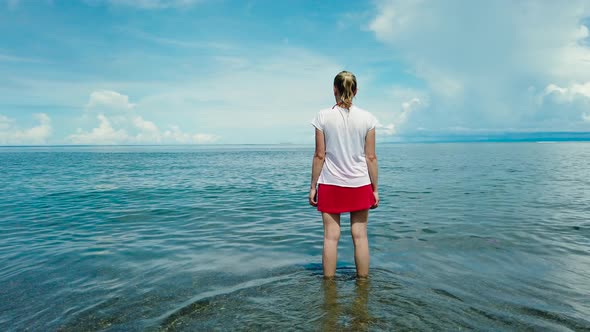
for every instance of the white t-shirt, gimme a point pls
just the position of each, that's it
(344, 133)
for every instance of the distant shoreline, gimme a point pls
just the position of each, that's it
(430, 138)
(294, 145)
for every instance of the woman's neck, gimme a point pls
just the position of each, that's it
(340, 103)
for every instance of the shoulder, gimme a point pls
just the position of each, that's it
(366, 117)
(325, 111)
(363, 113)
(321, 117)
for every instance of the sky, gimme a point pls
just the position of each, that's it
(257, 72)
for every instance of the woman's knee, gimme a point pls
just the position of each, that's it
(331, 226)
(358, 225)
(332, 234)
(359, 233)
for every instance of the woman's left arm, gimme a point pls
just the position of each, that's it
(317, 165)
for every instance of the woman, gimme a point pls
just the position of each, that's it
(344, 170)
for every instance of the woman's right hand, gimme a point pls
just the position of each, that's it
(376, 194)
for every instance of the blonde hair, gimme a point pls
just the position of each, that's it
(345, 83)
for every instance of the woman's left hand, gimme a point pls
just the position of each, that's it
(313, 199)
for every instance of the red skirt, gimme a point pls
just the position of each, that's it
(336, 199)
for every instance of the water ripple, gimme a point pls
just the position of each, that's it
(468, 236)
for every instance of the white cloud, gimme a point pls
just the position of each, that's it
(389, 129)
(263, 94)
(103, 134)
(173, 41)
(176, 135)
(148, 4)
(401, 117)
(572, 101)
(145, 126)
(12, 135)
(251, 93)
(395, 19)
(130, 128)
(5, 122)
(109, 99)
(479, 58)
(407, 108)
(149, 133)
(12, 3)
(394, 108)
(568, 94)
(582, 33)
(204, 138)
(13, 58)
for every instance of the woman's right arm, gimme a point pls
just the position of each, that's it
(371, 158)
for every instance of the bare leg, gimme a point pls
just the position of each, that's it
(358, 229)
(331, 237)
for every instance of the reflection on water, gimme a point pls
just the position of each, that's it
(339, 314)
(331, 306)
(360, 312)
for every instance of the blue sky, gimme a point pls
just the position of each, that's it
(214, 71)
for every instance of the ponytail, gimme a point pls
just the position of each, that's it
(345, 83)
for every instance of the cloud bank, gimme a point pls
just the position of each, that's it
(486, 64)
(11, 134)
(131, 127)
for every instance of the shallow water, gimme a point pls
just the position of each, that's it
(468, 236)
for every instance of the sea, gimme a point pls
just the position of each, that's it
(468, 236)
